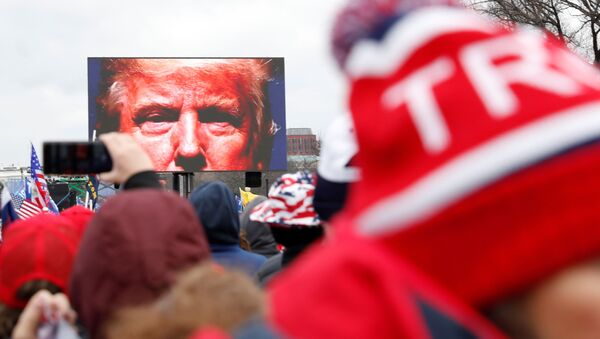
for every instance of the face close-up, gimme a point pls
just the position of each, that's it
(191, 115)
(567, 305)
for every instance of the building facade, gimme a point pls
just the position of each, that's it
(302, 141)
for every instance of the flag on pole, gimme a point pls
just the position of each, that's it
(240, 205)
(246, 196)
(18, 198)
(7, 214)
(92, 188)
(39, 179)
(28, 186)
(29, 209)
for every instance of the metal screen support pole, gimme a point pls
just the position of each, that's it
(183, 183)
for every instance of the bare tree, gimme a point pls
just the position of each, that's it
(576, 22)
(300, 163)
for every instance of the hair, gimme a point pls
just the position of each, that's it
(206, 295)
(251, 74)
(9, 316)
(244, 243)
(510, 317)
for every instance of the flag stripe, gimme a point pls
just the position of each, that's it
(28, 210)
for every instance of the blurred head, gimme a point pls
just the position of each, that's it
(216, 208)
(258, 233)
(564, 305)
(131, 252)
(41, 248)
(36, 253)
(478, 161)
(290, 213)
(289, 203)
(191, 114)
(204, 296)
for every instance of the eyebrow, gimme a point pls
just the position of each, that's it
(228, 105)
(153, 103)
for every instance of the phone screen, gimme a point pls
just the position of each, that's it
(76, 158)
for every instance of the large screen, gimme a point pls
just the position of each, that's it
(194, 114)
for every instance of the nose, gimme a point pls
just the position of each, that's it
(189, 143)
(189, 154)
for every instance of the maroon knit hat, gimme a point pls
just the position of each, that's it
(131, 252)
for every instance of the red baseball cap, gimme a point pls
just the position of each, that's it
(39, 248)
(79, 216)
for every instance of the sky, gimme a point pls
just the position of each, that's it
(45, 45)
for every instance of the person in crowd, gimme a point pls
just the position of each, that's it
(134, 247)
(216, 208)
(290, 214)
(190, 114)
(483, 175)
(131, 252)
(258, 234)
(204, 296)
(36, 254)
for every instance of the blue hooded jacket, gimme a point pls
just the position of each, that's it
(216, 208)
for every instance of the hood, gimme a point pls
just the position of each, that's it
(258, 233)
(131, 251)
(217, 210)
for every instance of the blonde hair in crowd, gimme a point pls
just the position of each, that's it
(206, 295)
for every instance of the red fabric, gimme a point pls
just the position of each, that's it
(79, 216)
(131, 252)
(40, 248)
(209, 333)
(509, 236)
(392, 155)
(355, 289)
(504, 235)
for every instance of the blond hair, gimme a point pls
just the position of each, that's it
(206, 295)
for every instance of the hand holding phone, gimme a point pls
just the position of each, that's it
(76, 158)
(117, 156)
(128, 157)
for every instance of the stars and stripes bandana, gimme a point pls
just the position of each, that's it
(290, 202)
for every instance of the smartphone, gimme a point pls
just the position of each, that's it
(57, 330)
(76, 158)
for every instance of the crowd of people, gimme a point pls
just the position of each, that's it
(458, 199)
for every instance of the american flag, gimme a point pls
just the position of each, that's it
(39, 180)
(28, 209)
(18, 198)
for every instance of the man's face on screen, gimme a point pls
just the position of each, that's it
(189, 115)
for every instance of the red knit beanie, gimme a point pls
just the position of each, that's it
(478, 150)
